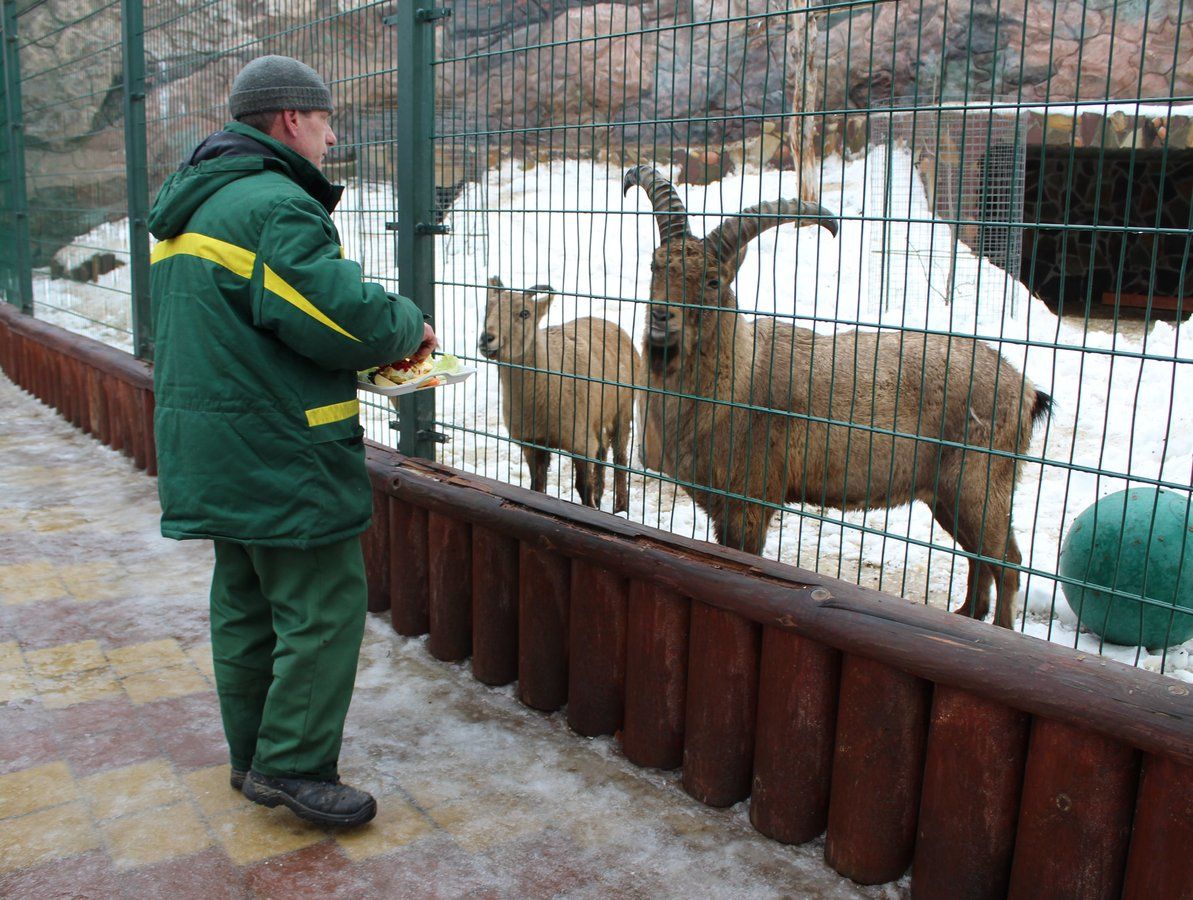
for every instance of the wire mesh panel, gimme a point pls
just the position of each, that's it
(72, 107)
(892, 291)
(875, 404)
(10, 172)
(958, 167)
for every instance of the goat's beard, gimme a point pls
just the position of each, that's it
(662, 357)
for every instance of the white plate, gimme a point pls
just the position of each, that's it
(418, 384)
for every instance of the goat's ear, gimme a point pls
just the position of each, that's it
(540, 293)
(495, 281)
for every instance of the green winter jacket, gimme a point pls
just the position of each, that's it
(260, 325)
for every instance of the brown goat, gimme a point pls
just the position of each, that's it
(554, 390)
(853, 420)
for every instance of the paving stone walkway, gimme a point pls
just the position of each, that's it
(113, 774)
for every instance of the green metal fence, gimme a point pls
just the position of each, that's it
(992, 174)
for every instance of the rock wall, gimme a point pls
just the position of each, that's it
(576, 77)
(1033, 50)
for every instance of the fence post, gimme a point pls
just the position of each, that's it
(18, 201)
(416, 197)
(136, 169)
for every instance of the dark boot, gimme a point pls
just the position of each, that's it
(236, 779)
(322, 802)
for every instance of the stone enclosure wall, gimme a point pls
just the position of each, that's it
(676, 75)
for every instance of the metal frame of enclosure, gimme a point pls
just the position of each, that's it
(1007, 193)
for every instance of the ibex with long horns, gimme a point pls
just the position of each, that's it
(759, 413)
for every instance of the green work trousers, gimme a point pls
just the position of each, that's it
(286, 627)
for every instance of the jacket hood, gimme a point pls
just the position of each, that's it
(224, 157)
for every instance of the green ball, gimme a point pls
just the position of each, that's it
(1137, 542)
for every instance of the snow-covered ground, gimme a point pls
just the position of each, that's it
(1118, 414)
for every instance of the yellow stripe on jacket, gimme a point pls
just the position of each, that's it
(336, 412)
(240, 261)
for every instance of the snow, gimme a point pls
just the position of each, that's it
(1118, 419)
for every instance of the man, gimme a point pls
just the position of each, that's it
(260, 327)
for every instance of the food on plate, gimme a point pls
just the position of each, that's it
(405, 370)
(424, 373)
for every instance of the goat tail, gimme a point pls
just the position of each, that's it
(1042, 407)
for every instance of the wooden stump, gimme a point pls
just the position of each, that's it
(408, 570)
(878, 767)
(494, 606)
(718, 754)
(449, 567)
(656, 676)
(797, 719)
(1160, 861)
(970, 803)
(544, 586)
(1075, 814)
(597, 647)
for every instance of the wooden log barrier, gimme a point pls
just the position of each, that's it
(8, 351)
(878, 767)
(98, 407)
(20, 365)
(39, 370)
(375, 544)
(147, 407)
(12, 360)
(544, 588)
(1075, 814)
(66, 389)
(33, 365)
(78, 396)
(131, 419)
(29, 362)
(408, 571)
(656, 677)
(1039, 677)
(118, 438)
(136, 417)
(1160, 861)
(596, 649)
(86, 373)
(798, 685)
(72, 373)
(52, 379)
(494, 606)
(449, 567)
(9, 344)
(969, 806)
(21, 361)
(32, 382)
(47, 376)
(718, 753)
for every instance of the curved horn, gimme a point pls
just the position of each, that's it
(669, 209)
(734, 233)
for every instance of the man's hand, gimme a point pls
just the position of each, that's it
(430, 342)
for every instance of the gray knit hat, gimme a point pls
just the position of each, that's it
(270, 83)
